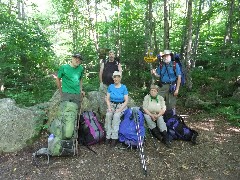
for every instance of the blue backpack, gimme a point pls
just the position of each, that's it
(131, 129)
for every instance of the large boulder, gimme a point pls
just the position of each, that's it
(194, 101)
(91, 102)
(18, 125)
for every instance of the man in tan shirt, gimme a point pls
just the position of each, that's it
(154, 108)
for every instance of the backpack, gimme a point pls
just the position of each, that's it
(177, 129)
(176, 60)
(63, 129)
(131, 129)
(90, 129)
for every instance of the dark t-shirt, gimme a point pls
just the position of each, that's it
(109, 68)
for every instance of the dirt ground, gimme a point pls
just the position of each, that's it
(216, 156)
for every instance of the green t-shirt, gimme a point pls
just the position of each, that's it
(70, 78)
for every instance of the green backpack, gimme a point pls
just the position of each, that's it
(64, 129)
(64, 125)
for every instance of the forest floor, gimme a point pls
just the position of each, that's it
(216, 156)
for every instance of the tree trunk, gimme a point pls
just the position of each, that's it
(229, 28)
(166, 25)
(184, 36)
(149, 30)
(118, 32)
(197, 30)
(238, 23)
(188, 45)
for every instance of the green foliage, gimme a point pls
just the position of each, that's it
(231, 112)
(216, 84)
(26, 59)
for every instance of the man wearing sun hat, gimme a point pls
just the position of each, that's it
(69, 80)
(170, 80)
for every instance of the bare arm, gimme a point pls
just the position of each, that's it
(108, 102)
(120, 68)
(101, 72)
(178, 85)
(81, 87)
(153, 72)
(59, 85)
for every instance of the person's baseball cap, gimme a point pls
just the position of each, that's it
(116, 73)
(77, 55)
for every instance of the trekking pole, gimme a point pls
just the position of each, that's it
(140, 141)
(77, 123)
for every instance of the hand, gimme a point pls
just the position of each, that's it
(153, 71)
(60, 92)
(109, 110)
(83, 93)
(101, 85)
(153, 117)
(117, 110)
(175, 93)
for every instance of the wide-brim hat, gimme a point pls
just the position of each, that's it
(153, 86)
(166, 52)
(77, 55)
(117, 73)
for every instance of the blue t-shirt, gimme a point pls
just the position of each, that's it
(117, 94)
(167, 72)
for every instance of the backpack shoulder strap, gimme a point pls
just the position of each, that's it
(161, 65)
(180, 119)
(174, 67)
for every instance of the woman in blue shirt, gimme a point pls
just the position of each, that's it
(117, 99)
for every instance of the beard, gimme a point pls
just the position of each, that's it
(167, 60)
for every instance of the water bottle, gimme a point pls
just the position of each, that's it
(50, 138)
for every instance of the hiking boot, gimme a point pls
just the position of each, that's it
(113, 143)
(194, 138)
(156, 133)
(166, 140)
(107, 141)
(167, 143)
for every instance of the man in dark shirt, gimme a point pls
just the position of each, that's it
(107, 68)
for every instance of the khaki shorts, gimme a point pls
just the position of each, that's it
(72, 98)
(169, 98)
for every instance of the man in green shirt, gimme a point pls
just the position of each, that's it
(69, 80)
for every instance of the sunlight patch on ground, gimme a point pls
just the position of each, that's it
(206, 126)
(220, 138)
(235, 129)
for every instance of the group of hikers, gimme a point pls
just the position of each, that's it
(161, 97)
